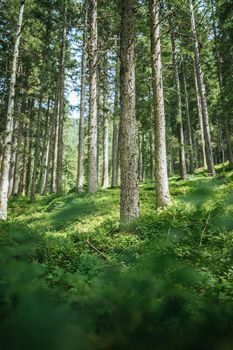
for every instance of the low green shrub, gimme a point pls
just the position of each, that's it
(164, 282)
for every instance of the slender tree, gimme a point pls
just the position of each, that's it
(82, 110)
(37, 144)
(44, 151)
(105, 163)
(61, 101)
(4, 181)
(200, 119)
(29, 159)
(38, 134)
(129, 204)
(115, 137)
(179, 120)
(162, 188)
(188, 118)
(202, 92)
(218, 60)
(55, 140)
(92, 151)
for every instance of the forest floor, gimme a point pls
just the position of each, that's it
(70, 275)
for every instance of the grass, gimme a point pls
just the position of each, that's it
(69, 272)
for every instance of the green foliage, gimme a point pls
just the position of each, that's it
(70, 278)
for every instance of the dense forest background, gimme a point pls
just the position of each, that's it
(116, 174)
(55, 59)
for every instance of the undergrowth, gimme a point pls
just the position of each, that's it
(71, 278)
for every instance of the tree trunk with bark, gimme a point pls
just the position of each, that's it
(190, 136)
(82, 111)
(115, 154)
(49, 155)
(115, 138)
(141, 160)
(92, 149)
(152, 144)
(152, 156)
(37, 146)
(202, 92)
(17, 165)
(179, 121)
(199, 111)
(162, 188)
(105, 162)
(220, 82)
(10, 110)
(55, 140)
(61, 103)
(23, 173)
(29, 157)
(14, 145)
(129, 203)
(44, 148)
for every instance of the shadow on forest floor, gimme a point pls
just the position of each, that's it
(62, 212)
(73, 212)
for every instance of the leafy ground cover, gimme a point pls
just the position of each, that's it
(71, 278)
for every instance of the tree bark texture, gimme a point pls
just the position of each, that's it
(82, 111)
(162, 188)
(92, 149)
(9, 126)
(129, 203)
(202, 92)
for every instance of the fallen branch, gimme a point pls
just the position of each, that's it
(204, 229)
(97, 250)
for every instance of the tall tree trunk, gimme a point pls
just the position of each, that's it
(14, 145)
(115, 139)
(179, 121)
(44, 148)
(53, 187)
(46, 169)
(105, 163)
(49, 154)
(143, 157)
(139, 157)
(105, 168)
(199, 111)
(29, 159)
(162, 188)
(195, 153)
(61, 109)
(92, 151)
(141, 165)
(202, 91)
(152, 142)
(220, 82)
(216, 51)
(39, 132)
(16, 174)
(99, 136)
(22, 183)
(171, 157)
(82, 111)
(228, 140)
(115, 154)
(129, 203)
(8, 134)
(190, 137)
(152, 155)
(37, 145)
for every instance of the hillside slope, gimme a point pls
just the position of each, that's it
(69, 272)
